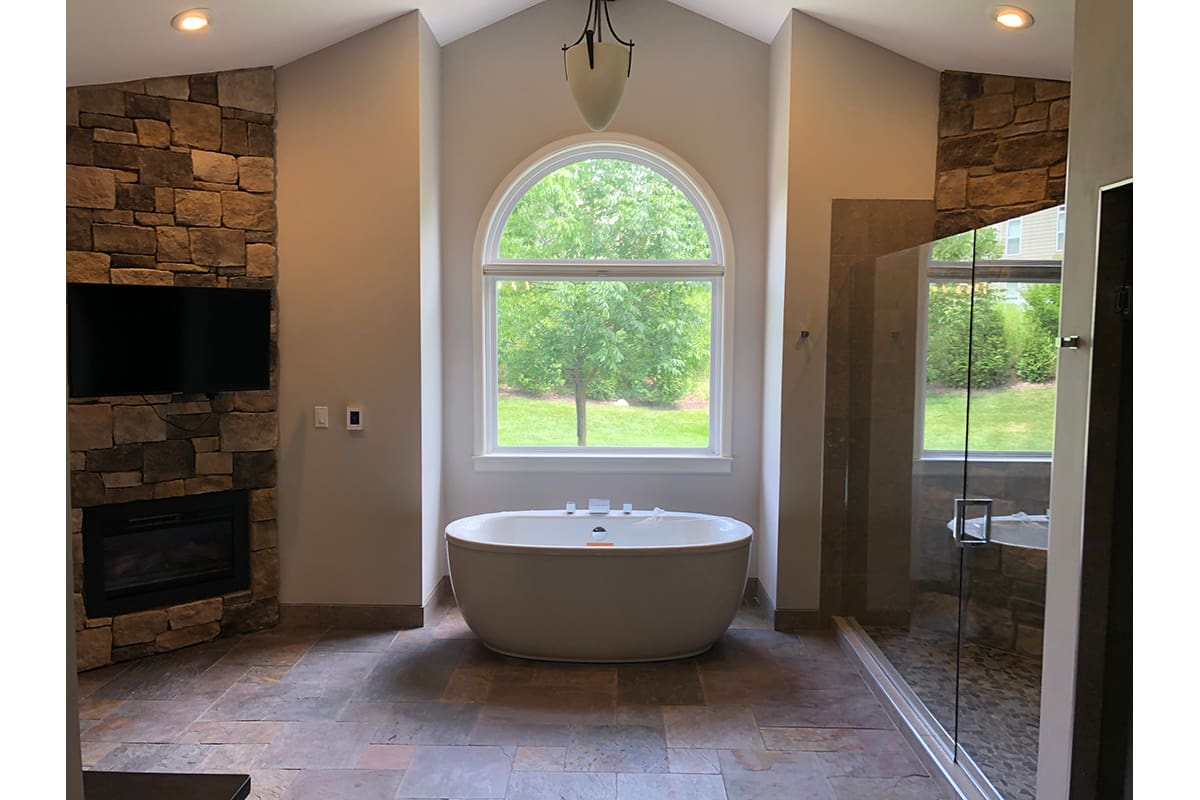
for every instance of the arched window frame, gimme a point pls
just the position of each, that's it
(490, 268)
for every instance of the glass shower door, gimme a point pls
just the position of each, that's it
(1001, 521)
(910, 334)
(947, 531)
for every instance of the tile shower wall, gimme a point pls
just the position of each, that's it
(869, 406)
(171, 181)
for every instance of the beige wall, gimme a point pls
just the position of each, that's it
(778, 118)
(700, 90)
(350, 257)
(863, 124)
(849, 120)
(1100, 154)
(433, 558)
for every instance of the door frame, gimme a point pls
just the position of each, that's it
(1067, 496)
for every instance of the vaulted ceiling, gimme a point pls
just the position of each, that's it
(116, 41)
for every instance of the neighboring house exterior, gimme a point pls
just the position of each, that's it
(1034, 237)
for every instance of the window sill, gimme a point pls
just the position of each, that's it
(941, 463)
(985, 456)
(604, 463)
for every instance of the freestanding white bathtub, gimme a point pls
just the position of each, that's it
(650, 586)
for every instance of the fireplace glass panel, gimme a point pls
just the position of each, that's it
(150, 559)
(159, 552)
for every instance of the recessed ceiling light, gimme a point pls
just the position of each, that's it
(194, 19)
(1012, 17)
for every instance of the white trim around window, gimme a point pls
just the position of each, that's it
(489, 268)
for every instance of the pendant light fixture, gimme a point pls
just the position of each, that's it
(596, 69)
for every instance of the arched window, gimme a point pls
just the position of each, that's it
(604, 277)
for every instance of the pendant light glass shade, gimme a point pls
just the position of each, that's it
(597, 70)
(597, 89)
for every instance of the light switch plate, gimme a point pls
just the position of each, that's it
(320, 416)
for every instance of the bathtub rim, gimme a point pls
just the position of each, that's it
(584, 551)
(1001, 522)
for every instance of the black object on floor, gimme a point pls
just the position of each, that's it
(157, 785)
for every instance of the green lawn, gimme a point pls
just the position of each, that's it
(531, 422)
(1002, 419)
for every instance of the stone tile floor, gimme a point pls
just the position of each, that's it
(320, 713)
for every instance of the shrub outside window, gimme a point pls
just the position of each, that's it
(1011, 345)
(604, 280)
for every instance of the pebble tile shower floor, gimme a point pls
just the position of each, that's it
(1000, 696)
(381, 715)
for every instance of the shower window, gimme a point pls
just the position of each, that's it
(1013, 353)
(604, 284)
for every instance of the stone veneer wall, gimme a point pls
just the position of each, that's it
(171, 181)
(1002, 148)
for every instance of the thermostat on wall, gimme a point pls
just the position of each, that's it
(354, 418)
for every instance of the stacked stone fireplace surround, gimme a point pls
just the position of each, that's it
(171, 181)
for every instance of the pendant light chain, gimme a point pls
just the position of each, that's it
(593, 32)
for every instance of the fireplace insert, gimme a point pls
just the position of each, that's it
(156, 553)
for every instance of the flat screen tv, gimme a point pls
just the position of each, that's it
(166, 339)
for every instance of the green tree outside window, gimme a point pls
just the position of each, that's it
(645, 341)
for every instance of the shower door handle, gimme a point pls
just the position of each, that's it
(961, 505)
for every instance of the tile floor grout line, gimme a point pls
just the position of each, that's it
(217, 700)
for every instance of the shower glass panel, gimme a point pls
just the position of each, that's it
(904, 566)
(950, 414)
(1009, 440)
